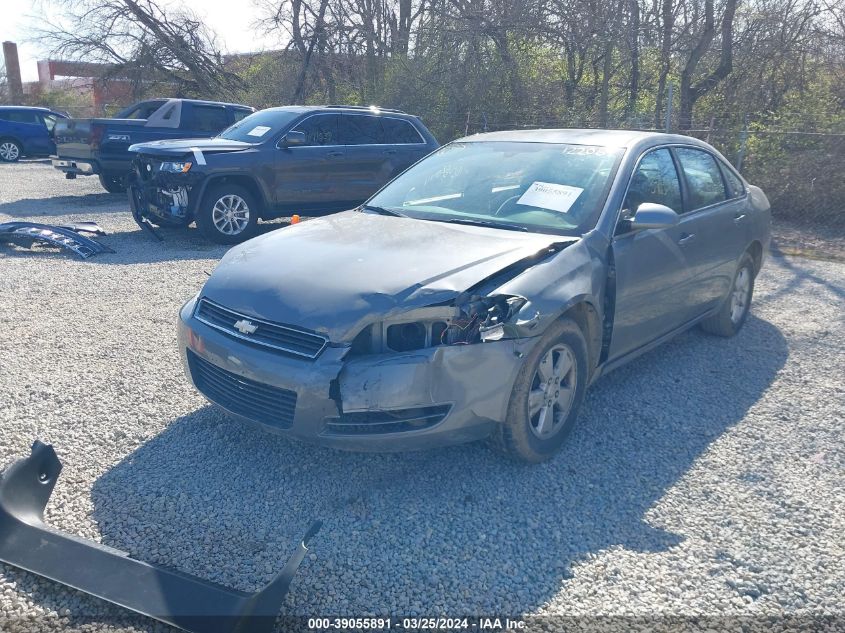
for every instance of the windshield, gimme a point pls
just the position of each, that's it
(260, 126)
(541, 187)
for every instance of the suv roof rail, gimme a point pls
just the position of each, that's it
(358, 107)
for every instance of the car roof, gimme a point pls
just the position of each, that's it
(199, 101)
(604, 138)
(343, 108)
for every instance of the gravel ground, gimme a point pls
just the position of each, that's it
(705, 478)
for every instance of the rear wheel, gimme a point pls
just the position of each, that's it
(228, 214)
(10, 151)
(734, 311)
(546, 396)
(113, 183)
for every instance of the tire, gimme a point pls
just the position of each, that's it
(10, 151)
(524, 436)
(113, 183)
(221, 214)
(735, 308)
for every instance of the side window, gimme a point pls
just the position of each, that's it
(655, 180)
(237, 114)
(23, 116)
(320, 129)
(398, 131)
(211, 119)
(703, 177)
(735, 187)
(361, 129)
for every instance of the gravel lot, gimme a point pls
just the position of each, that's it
(705, 478)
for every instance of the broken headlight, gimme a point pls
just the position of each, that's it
(178, 167)
(473, 321)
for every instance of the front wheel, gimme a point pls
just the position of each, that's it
(547, 395)
(228, 214)
(734, 311)
(113, 183)
(10, 151)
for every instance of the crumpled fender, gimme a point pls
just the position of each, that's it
(185, 601)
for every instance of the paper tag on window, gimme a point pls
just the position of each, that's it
(548, 195)
(258, 130)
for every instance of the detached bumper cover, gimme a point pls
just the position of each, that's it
(26, 233)
(179, 599)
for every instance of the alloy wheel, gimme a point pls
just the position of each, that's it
(739, 295)
(230, 214)
(552, 391)
(9, 151)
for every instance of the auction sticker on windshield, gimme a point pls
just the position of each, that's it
(548, 195)
(259, 130)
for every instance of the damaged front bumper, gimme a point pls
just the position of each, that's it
(437, 396)
(179, 599)
(157, 199)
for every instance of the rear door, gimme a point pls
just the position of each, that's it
(367, 160)
(404, 144)
(312, 177)
(652, 270)
(712, 240)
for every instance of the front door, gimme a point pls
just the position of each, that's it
(312, 177)
(652, 268)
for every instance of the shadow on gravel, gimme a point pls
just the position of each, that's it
(66, 205)
(457, 530)
(796, 266)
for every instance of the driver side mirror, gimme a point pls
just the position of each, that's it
(650, 215)
(294, 138)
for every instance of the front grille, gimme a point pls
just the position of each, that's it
(379, 422)
(251, 399)
(283, 338)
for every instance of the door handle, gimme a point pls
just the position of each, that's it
(686, 238)
(738, 217)
(335, 154)
(390, 151)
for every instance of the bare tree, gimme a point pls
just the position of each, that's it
(141, 40)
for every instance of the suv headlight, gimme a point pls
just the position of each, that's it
(182, 167)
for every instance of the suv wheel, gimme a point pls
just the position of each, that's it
(10, 151)
(546, 396)
(228, 214)
(113, 183)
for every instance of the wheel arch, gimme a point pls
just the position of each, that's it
(582, 310)
(15, 139)
(247, 182)
(755, 249)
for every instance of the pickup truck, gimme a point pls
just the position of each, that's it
(26, 131)
(87, 147)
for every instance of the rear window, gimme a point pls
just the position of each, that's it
(209, 119)
(703, 177)
(360, 129)
(259, 126)
(399, 131)
(141, 110)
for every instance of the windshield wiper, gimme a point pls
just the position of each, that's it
(494, 225)
(383, 211)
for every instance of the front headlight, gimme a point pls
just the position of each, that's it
(182, 167)
(481, 319)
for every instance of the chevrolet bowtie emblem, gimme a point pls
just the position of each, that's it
(245, 327)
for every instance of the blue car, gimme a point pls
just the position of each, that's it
(26, 131)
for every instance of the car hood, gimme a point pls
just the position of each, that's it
(336, 274)
(181, 147)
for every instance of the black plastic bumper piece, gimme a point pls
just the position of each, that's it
(67, 236)
(179, 599)
(137, 202)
